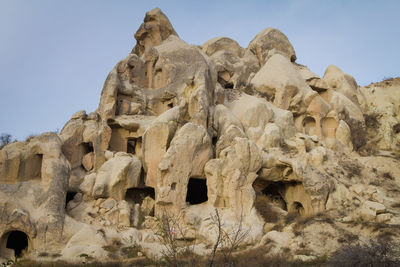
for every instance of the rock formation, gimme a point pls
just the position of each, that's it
(182, 130)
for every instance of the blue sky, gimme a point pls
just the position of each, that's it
(55, 55)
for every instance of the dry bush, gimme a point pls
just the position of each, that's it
(387, 175)
(264, 208)
(32, 263)
(258, 258)
(174, 253)
(132, 251)
(291, 217)
(227, 241)
(369, 254)
(5, 139)
(352, 169)
(371, 120)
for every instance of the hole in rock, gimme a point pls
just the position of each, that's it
(214, 140)
(298, 207)
(309, 126)
(87, 147)
(170, 105)
(18, 241)
(136, 195)
(229, 85)
(70, 196)
(80, 151)
(31, 168)
(173, 186)
(396, 128)
(329, 126)
(134, 145)
(197, 191)
(273, 193)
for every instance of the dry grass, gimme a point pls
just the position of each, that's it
(352, 169)
(387, 175)
(368, 254)
(31, 263)
(371, 120)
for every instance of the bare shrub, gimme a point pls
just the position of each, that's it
(352, 168)
(291, 217)
(371, 120)
(387, 175)
(370, 254)
(5, 139)
(227, 241)
(168, 227)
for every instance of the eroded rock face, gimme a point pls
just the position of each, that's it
(269, 42)
(34, 183)
(182, 130)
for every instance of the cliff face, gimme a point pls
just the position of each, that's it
(183, 130)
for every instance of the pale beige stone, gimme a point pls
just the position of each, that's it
(269, 42)
(87, 161)
(249, 125)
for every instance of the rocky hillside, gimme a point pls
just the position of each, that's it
(211, 148)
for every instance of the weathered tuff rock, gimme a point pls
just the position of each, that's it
(182, 130)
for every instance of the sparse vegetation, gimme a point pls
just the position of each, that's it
(371, 120)
(5, 139)
(387, 175)
(291, 217)
(367, 254)
(352, 169)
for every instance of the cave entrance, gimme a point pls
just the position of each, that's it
(31, 168)
(309, 125)
(80, 151)
(298, 207)
(136, 195)
(196, 191)
(70, 196)
(134, 145)
(18, 241)
(274, 194)
(329, 126)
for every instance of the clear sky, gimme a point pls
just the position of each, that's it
(55, 55)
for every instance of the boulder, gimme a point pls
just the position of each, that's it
(280, 82)
(270, 42)
(222, 43)
(116, 176)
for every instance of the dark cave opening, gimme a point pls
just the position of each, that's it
(70, 196)
(273, 192)
(298, 207)
(133, 145)
(136, 195)
(18, 241)
(31, 168)
(196, 191)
